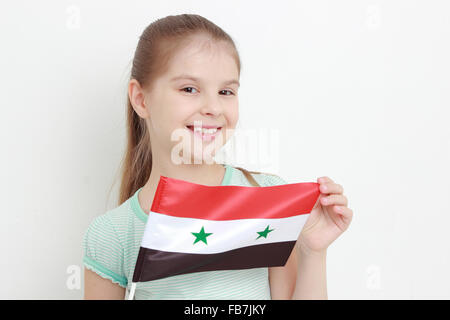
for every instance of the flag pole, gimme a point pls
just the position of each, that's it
(133, 288)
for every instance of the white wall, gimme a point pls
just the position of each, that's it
(359, 91)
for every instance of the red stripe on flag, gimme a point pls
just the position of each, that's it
(181, 198)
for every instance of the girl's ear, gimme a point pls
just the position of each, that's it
(137, 99)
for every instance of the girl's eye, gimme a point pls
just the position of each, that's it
(188, 88)
(231, 92)
(191, 88)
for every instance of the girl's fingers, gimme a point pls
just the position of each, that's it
(334, 199)
(331, 188)
(346, 212)
(323, 180)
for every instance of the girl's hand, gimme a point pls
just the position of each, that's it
(329, 218)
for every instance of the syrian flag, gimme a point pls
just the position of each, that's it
(195, 228)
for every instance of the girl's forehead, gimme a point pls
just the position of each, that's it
(201, 50)
(197, 62)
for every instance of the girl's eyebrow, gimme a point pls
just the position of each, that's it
(189, 77)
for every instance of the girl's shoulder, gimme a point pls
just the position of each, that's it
(112, 225)
(115, 216)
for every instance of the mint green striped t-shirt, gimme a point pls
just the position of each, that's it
(111, 245)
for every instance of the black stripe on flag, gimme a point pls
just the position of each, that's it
(156, 264)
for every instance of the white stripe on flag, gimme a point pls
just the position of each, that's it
(173, 234)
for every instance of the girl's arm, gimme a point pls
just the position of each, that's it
(312, 276)
(302, 277)
(282, 279)
(98, 288)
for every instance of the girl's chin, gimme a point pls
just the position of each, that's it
(199, 158)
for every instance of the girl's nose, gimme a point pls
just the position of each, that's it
(212, 106)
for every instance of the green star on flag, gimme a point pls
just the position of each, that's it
(264, 233)
(201, 236)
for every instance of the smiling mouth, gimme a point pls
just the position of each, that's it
(192, 128)
(205, 134)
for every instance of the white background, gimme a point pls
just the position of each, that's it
(359, 91)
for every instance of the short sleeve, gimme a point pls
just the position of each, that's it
(103, 252)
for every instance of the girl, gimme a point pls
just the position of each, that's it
(186, 71)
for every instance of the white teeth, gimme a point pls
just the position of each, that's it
(205, 131)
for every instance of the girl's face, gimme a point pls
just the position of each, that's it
(200, 87)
